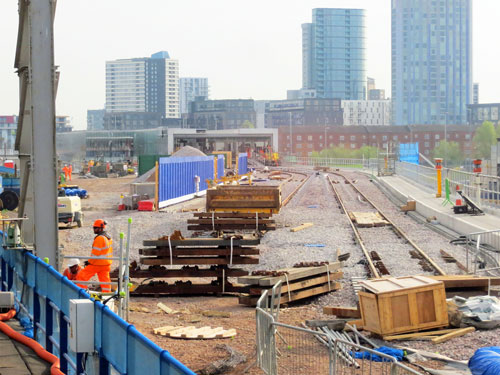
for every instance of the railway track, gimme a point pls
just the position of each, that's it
(374, 260)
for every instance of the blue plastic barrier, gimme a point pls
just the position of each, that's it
(220, 166)
(176, 176)
(43, 295)
(242, 163)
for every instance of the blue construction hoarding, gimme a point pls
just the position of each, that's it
(242, 163)
(176, 180)
(220, 166)
(408, 152)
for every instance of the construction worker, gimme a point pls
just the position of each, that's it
(66, 172)
(70, 171)
(73, 269)
(98, 263)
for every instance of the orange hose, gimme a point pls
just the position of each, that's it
(38, 349)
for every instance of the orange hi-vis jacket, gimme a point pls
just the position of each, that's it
(102, 247)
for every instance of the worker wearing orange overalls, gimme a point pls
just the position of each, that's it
(66, 172)
(70, 171)
(98, 264)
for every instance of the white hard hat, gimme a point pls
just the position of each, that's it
(73, 262)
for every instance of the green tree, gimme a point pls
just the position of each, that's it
(247, 125)
(484, 138)
(497, 131)
(449, 150)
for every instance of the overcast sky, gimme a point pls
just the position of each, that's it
(247, 49)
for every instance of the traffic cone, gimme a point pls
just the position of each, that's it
(458, 197)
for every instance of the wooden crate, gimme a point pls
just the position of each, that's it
(403, 304)
(240, 198)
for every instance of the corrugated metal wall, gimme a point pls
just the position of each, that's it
(242, 163)
(176, 176)
(220, 166)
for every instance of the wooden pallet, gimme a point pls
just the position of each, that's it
(368, 219)
(191, 332)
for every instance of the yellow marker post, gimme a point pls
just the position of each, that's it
(439, 166)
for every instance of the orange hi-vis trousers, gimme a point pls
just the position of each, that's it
(102, 274)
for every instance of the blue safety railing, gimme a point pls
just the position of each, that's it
(43, 295)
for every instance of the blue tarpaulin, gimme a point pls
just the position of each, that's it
(398, 354)
(485, 361)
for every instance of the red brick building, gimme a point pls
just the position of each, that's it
(306, 139)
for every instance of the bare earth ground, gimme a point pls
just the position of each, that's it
(196, 354)
(279, 249)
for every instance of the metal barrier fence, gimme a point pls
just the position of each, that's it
(330, 162)
(483, 252)
(287, 350)
(43, 295)
(176, 181)
(483, 189)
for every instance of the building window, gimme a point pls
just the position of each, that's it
(299, 138)
(353, 145)
(299, 145)
(309, 137)
(467, 136)
(309, 145)
(426, 136)
(384, 138)
(353, 137)
(436, 136)
(426, 144)
(394, 137)
(341, 138)
(287, 137)
(330, 137)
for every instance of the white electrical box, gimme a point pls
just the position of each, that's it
(6, 300)
(81, 329)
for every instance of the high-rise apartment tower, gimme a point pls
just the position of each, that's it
(333, 54)
(146, 84)
(431, 61)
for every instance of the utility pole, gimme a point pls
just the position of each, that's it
(291, 142)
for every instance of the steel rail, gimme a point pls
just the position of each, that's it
(357, 236)
(292, 194)
(398, 230)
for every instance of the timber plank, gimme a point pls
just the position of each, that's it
(300, 284)
(405, 336)
(203, 242)
(249, 300)
(200, 251)
(342, 311)
(230, 221)
(198, 260)
(231, 226)
(293, 274)
(301, 227)
(228, 272)
(184, 289)
(458, 332)
(208, 215)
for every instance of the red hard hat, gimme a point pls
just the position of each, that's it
(99, 223)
